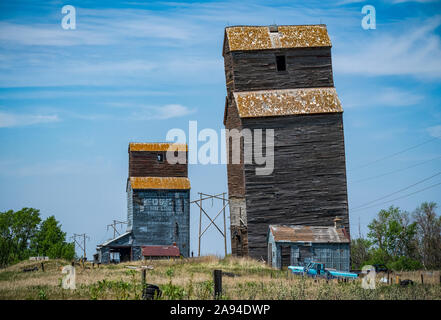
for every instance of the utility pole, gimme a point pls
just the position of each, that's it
(199, 203)
(113, 225)
(82, 246)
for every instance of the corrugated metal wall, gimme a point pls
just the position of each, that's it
(161, 217)
(333, 255)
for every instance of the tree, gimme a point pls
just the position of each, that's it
(50, 241)
(17, 229)
(428, 235)
(22, 234)
(393, 233)
(359, 252)
(6, 239)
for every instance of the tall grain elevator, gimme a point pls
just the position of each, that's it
(158, 203)
(280, 77)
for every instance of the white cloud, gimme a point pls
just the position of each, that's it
(349, 2)
(435, 131)
(409, 48)
(172, 111)
(161, 113)
(18, 167)
(397, 98)
(386, 97)
(9, 120)
(420, 1)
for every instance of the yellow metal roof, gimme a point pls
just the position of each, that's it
(160, 183)
(267, 103)
(260, 37)
(138, 146)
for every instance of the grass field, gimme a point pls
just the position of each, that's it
(192, 279)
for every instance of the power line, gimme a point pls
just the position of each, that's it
(113, 225)
(402, 197)
(395, 171)
(391, 194)
(82, 246)
(396, 153)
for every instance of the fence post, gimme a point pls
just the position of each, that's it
(143, 276)
(217, 279)
(42, 266)
(422, 279)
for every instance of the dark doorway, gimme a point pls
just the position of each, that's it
(125, 253)
(286, 256)
(270, 254)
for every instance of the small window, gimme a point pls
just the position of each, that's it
(160, 157)
(281, 63)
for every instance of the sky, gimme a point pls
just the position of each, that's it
(72, 100)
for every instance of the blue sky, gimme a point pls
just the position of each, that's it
(71, 100)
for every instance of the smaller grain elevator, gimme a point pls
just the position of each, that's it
(158, 203)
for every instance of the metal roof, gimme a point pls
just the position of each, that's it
(160, 251)
(112, 240)
(160, 183)
(138, 146)
(241, 38)
(313, 234)
(267, 103)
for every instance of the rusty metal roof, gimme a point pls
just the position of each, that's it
(160, 251)
(241, 38)
(138, 146)
(292, 233)
(267, 103)
(160, 183)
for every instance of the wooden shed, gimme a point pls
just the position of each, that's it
(280, 77)
(158, 203)
(299, 245)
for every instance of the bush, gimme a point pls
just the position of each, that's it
(404, 263)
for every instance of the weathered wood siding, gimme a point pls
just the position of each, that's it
(235, 172)
(145, 163)
(236, 185)
(161, 217)
(256, 70)
(308, 184)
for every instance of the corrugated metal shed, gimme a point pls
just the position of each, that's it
(283, 233)
(267, 103)
(160, 251)
(137, 146)
(241, 38)
(171, 183)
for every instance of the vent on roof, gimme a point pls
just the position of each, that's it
(273, 28)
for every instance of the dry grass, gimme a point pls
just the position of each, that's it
(192, 279)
